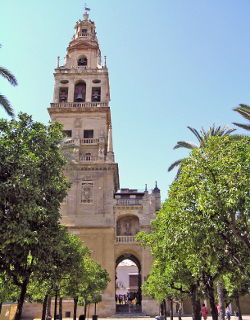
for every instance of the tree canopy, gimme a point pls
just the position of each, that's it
(203, 225)
(32, 186)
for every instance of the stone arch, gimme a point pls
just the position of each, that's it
(80, 91)
(133, 256)
(82, 61)
(127, 225)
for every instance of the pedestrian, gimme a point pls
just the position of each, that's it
(227, 312)
(218, 309)
(204, 311)
(129, 305)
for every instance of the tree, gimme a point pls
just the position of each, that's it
(3, 100)
(32, 186)
(202, 137)
(243, 110)
(66, 262)
(204, 224)
(86, 289)
(215, 181)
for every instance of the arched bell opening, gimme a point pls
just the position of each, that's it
(80, 92)
(128, 284)
(82, 61)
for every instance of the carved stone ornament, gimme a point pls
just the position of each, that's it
(78, 123)
(87, 192)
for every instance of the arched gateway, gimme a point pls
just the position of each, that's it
(128, 284)
(106, 219)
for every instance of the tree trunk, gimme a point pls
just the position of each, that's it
(210, 291)
(60, 308)
(48, 315)
(1, 307)
(179, 309)
(44, 307)
(196, 306)
(238, 305)
(55, 306)
(171, 310)
(165, 309)
(21, 300)
(85, 309)
(75, 307)
(220, 298)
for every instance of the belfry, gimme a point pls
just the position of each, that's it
(104, 216)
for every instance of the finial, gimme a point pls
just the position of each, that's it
(156, 184)
(146, 187)
(86, 9)
(58, 61)
(105, 62)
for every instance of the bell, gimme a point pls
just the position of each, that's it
(79, 98)
(63, 98)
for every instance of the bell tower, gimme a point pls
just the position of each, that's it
(105, 219)
(81, 103)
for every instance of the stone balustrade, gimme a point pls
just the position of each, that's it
(128, 202)
(79, 104)
(84, 141)
(89, 158)
(81, 70)
(125, 239)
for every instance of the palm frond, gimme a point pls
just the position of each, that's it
(243, 126)
(6, 105)
(186, 144)
(175, 164)
(8, 75)
(243, 110)
(195, 132)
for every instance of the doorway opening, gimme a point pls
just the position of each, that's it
(128, 284)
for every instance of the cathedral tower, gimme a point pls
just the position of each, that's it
(105, 218)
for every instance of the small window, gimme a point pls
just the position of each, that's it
(68, 133)
(96, 94)
(88, 156)
(82, 61)
(88, 134)
(63, 94)
(84, 31)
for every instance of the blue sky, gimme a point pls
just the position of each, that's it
(172, 64)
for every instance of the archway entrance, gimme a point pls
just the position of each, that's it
(128, 284)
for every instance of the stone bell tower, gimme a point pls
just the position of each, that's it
(105, 219)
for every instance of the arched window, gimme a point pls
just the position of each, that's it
(80, 92)
(83, 61)
(63, 94)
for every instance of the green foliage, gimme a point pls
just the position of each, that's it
(4, 102)
(202, 138)
(90, 282)
(32, 186)
(202, 229)
(244, 111)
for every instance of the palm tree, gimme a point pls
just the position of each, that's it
(243, 110)
(202, 138)
(4, 102)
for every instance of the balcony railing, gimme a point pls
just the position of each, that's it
(90, 158)
(82, 141)
(125, 239)
(81, 70)
(128, 202)
(79, 104)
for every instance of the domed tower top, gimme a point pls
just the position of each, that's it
(86, 42)
(85, 29)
